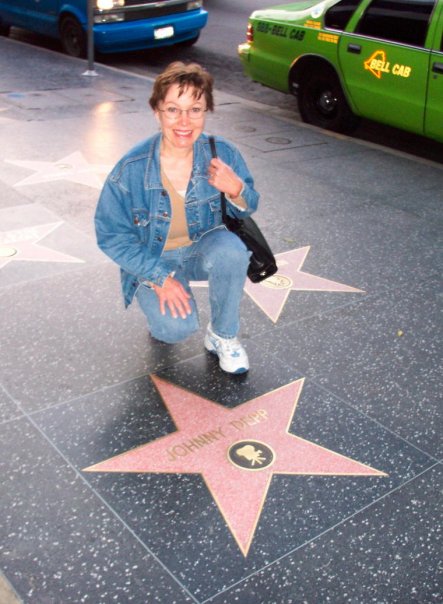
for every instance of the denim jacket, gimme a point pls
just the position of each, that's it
(134, 210)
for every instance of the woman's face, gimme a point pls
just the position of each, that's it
(182, 118)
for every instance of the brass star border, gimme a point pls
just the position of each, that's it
(236, 451)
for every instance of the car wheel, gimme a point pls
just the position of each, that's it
(321, 102)
(73, 37)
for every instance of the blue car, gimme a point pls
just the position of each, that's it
(119, 25)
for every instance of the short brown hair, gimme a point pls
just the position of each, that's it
(191, 75)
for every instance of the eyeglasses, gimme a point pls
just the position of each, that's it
(174, 113)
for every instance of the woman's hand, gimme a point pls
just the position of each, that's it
(223, 178)
(174, 296)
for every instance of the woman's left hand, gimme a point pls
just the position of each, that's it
(223, 178)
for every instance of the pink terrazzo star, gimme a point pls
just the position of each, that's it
(73, 168)
(237, 451)
(23, 244)
(271, 295)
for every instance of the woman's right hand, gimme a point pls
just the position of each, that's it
(174, 296)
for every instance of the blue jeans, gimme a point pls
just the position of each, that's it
(220, 258)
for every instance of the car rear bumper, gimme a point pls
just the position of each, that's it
(136, 35)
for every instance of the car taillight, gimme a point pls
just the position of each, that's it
(250, 33)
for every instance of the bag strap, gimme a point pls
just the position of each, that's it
(222, 195)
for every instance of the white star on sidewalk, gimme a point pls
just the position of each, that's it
(73, 168)
(23, 244)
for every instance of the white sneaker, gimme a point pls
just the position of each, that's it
(231, 354)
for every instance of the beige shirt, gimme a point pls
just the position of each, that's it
(178, 235)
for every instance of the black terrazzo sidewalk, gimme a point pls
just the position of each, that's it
(341, 407)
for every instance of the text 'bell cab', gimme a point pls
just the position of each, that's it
(378, 59)
(118, 25)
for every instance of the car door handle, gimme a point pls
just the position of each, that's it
(437, 68)
(355, 48)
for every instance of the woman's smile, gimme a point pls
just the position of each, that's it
(178, 128)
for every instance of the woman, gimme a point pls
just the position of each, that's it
(159, 218)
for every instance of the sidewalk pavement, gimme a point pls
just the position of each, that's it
(138, 472)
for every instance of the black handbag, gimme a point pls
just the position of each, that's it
(262, 263)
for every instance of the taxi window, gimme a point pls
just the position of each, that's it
(404, 21)
(337, 17)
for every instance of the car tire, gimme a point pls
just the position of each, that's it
(321, 102)
(72, 37)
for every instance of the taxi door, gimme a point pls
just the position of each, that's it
(385, 64)
(434, 105)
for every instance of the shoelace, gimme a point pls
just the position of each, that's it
(230, 346)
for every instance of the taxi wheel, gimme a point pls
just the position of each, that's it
(321, 102)
(73, 37)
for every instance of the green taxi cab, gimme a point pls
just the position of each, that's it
(345, 59)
